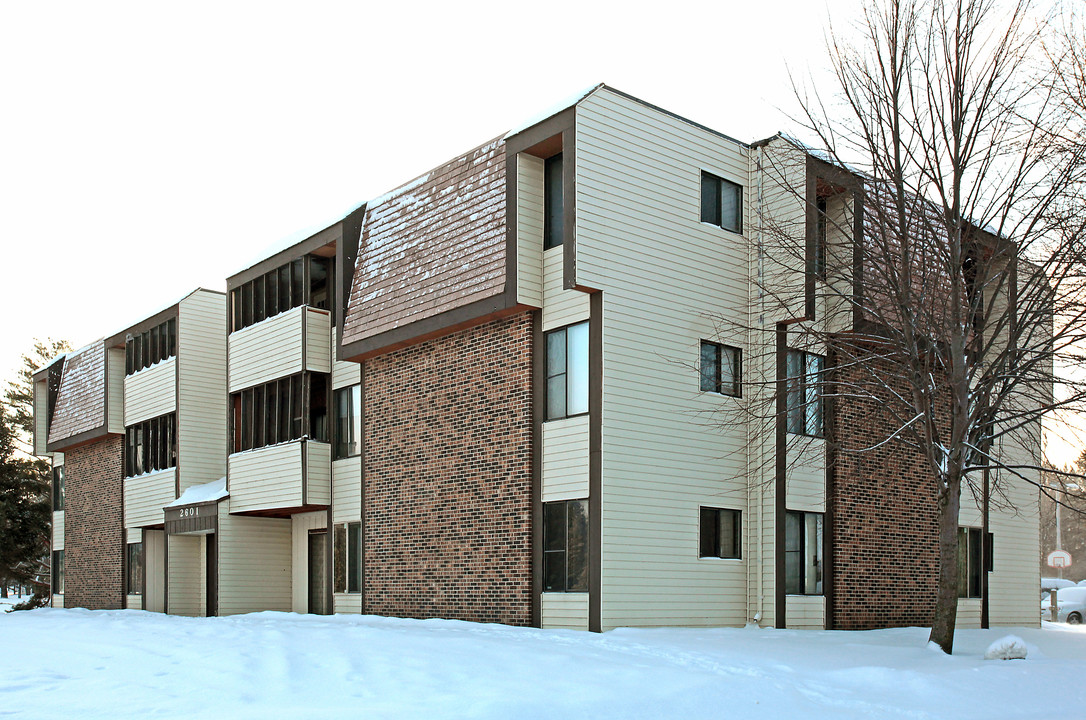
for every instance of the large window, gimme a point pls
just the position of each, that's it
(969, 562)
(150, 445)
(803, 553)
(348, 428)
(134, 558)
(347, 570)
(721, 202)
(142, 350)
(719, 533)
(58, 487)
(282, 410)
(567, 371)
(805, 380)
(565, 546)
(304, 281)
(821, 237)
(58, 571)
(721, 368)
(553, 213)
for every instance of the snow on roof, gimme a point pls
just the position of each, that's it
(80, 405)
(553, 110)
(293, 238)
(208, 492)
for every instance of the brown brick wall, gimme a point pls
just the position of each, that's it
(93, 525)
(886, 555)
(448, 476)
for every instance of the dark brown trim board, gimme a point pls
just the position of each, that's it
(346, 259)
(316, 241)
(170, 313)
(829, 543)
(780, 485)
(82, 438)
(211, 562)
(595, 460)
(539, 404)
(362, 494)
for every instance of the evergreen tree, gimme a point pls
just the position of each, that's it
(19, 396)
(25, 512)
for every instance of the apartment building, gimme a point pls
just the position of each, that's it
(520, 388)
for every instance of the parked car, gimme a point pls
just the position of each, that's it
(1071, 603)
(1048, 584)
(1082, 583)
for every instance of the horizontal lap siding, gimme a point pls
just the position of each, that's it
(347, 603)
(150, 392)
(254, 563)
(529, 230)
(115, 390)
(268, 350)
(266, 478)
(805, 612)
(301, 524)
(568, 611)
(806, 474)
(344, 373)
(58, 600)
(58, 530)
(347, 489)
(565, 459)
(318, 479)
(202, 401)
(318, 344)
(154, 570)
(41, 417)
(146, 495)
(560, 307)
(133, 602)
(185, 575)
(668, 281)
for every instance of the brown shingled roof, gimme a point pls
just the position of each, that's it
(81, 398)
(433, 245)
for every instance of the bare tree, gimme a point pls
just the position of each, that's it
(950, 276)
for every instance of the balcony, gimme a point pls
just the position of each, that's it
(281, 479)
(288, 343)
(151, 392)
(145, 496)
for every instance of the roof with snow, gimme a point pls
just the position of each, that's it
(81, 397)
(208, 492)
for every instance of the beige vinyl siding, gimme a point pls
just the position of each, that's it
(668, 281)
(146, 495)
(568, 611)
(301, 524)
(969, 613)
(151, 392)
(344, 373)
(565, 459)
(154, 569)
(347, 603)
(271, 477)
(254, 563)
(41, 417)
(270, 349)
(805, 612)
(133, 535)
(115, 390)
(58, 530)
(58, 600)
(133, 602)
(347, 489)
(202, 398)
(560, 307)
(318, 479)
(318, 347)
(529, 230)
(806, 474)
(185, 575)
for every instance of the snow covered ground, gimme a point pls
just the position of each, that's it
(81, 664)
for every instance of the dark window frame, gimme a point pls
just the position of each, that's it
(134, 568)
(143, 350)
(347, 430)
(347, 558)
(970, 575)
(58, 488)
(712, 542)
(284, 288)
(553, 202)
(805, 401)
(713, 380)
(150, 446)
(295, 416)
(797, 584)
(58, 572)
(565, 568)
(565, 371)
(818, 259)
(713, 205)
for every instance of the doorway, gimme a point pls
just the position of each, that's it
(318, 556)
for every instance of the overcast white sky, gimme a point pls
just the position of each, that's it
(146, 149)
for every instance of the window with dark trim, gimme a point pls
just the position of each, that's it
(134, 559)
(567, 371)
(721, 202)
(286, 409)
(142, 350)
(58, 572)
(150, 445)
(58, 488)
(721, 368)
(970, 574)
(553, 211)
(818, 265)
(802, 553)
(348, 427)
(565, 546)
(347, 566)
(720, 533)
(804, 400)
(304, 281)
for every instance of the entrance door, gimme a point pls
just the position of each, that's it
(318, 544)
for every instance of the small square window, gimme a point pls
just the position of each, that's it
(721, 368)
(720, 533)
(721, 202)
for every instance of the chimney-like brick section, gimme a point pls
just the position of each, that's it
(448, 469)
(94, 526)
(885, 535)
